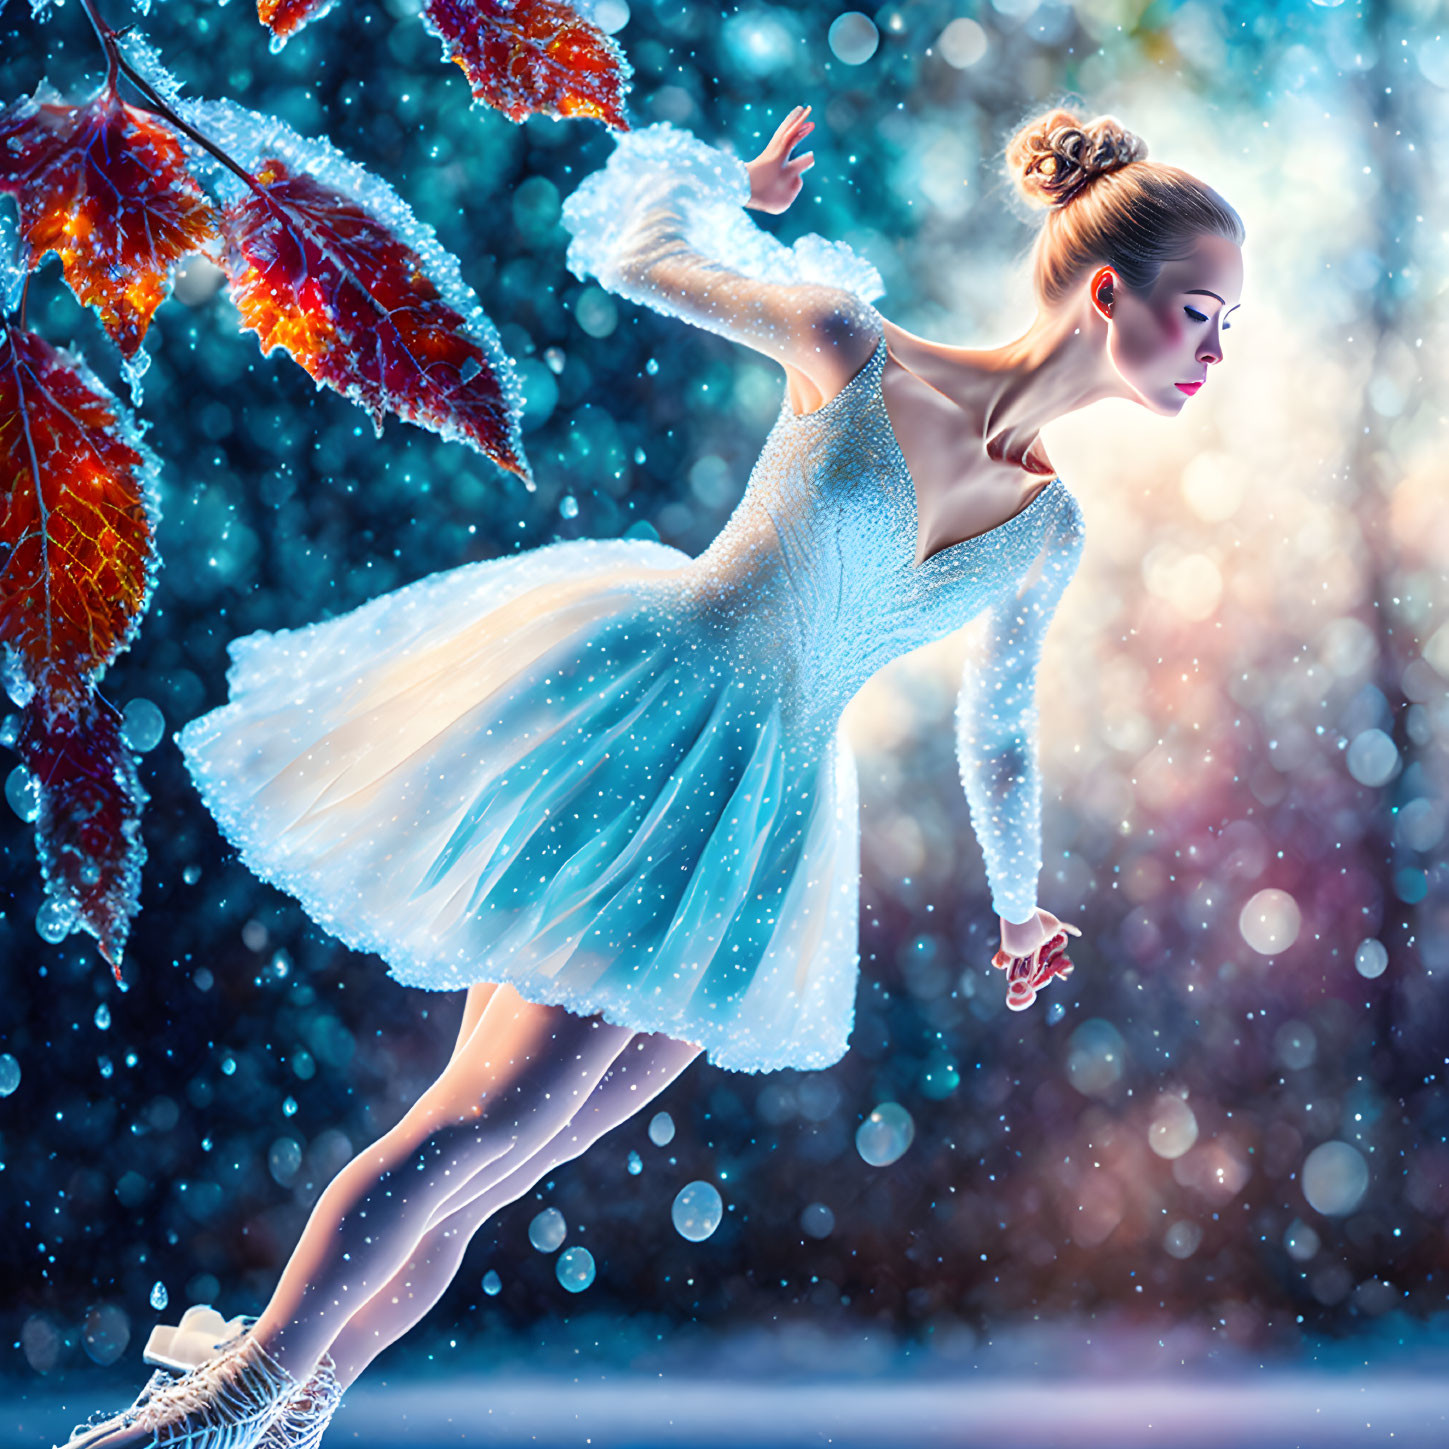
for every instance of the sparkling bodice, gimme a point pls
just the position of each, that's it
(818, 558)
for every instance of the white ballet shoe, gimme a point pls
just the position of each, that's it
(308, 1412)
(201, 1332)
(225, 1402)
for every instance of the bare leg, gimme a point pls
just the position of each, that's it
(523, 1072)
(640, 1072)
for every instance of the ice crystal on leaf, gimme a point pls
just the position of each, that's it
(12, 269)
(146, 60)
(106, 187)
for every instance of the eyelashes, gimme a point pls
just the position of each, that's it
(1198, 317)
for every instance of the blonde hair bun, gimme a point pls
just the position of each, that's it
(1054, 156)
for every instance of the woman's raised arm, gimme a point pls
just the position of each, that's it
(665, 224)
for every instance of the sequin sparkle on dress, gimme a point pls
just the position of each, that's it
(612, 774)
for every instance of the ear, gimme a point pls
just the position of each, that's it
(1104, 289)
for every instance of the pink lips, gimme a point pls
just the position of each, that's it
(1188, 387)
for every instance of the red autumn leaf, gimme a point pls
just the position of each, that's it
(314, 273)
(107, 187)
(285, 17)
(526, 57)
(78, 515)
(88, 833)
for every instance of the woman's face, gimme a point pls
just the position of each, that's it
(1166, 341)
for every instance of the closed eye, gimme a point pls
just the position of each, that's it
(1198, 317)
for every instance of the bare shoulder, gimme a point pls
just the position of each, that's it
(837, 335)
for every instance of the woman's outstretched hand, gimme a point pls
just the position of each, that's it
(1031, 954)
(774, 176)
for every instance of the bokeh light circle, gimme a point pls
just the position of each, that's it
(547, 1230)
(1270, 921)
(852, 37)
(884, 1136)
(1300, 1240)
(1096, 1055)
(575, 1269)
(1295, 1045)
(1335, 1178)
(817, 1221)
(962, 43)
(1371, 959)
(697, 1210)
(1173, 1128)
(1182, 1238)
(1372, 757)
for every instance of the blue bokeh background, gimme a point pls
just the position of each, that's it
(1243, 709)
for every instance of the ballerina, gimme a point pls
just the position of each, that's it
(601, 785)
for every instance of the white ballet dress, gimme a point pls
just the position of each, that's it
(612, 774)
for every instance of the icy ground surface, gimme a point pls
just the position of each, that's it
(1049, 1388)
(1273, 1411)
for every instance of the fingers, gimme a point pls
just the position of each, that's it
(792, 130)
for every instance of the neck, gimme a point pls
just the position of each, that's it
(1058, 365)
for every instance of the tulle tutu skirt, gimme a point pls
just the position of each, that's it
(551, 770)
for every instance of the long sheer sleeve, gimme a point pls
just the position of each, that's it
(997, 720)
(664, 224)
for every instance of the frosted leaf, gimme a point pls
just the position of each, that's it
(250, 136)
